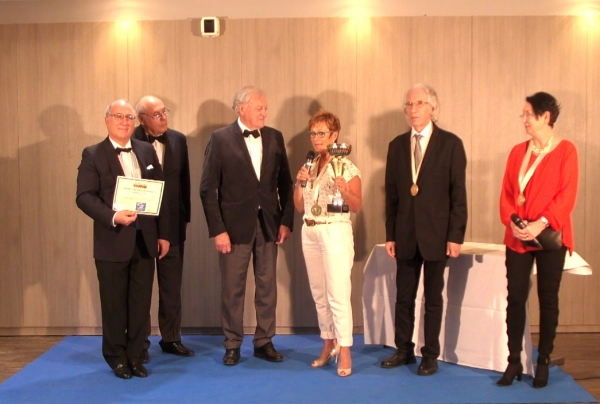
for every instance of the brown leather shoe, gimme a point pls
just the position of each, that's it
(398, 359)
(268, 353)
(176, 348)
(232, 357)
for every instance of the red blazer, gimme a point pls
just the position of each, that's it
(551, 192)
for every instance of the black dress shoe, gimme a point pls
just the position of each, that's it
(232, 357)
(145, 356)
(176, 348)
(139, 370)
(398, 359)
(122, 371)
(268, 352)
(428, 366)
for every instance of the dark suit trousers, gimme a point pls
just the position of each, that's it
(169, 273)
(549, 274)
(407, 281)
(234, 271)
(125, 296)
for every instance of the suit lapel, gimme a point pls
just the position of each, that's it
(432, 148)
(266, 146)
(140, 157)
(113, 160)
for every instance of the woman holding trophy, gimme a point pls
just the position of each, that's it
(326, 191)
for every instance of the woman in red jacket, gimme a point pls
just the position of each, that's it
(540, 187)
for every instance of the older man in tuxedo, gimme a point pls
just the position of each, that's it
(426, 219)
(246, 191)
(172, 151)
(125, 242)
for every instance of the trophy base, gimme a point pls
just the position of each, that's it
(333, 208)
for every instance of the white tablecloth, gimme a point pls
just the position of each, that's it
(474, 320)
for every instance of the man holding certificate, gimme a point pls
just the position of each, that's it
(125, 242)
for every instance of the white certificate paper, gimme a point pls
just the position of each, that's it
(138, 195)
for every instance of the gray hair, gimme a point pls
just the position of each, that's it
(432, 99)
(243, 96)
(140, 107)
(119, 101)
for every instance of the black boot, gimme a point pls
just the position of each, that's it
(541, 372)
(514, 369)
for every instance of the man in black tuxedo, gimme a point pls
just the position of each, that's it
(171, 149)
(246, 191)
(426, 219)
(125, 243)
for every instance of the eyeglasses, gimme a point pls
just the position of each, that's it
(416, 104)
(120, 117)
(526, 115)
(320, 134)
(158, 115)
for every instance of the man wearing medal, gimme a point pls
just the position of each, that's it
(426, 220)
(327, 239)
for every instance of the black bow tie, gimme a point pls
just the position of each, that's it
(122, 149)
(254, 133)
(162, 138)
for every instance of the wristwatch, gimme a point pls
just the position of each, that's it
(545, 221)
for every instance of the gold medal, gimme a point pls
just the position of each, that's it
(521, 200)
(315, 210)
(414, 189)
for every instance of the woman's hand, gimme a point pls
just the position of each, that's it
(531, 230)
(303, 175)
(341, 185)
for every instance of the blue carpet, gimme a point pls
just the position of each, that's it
(74, 372)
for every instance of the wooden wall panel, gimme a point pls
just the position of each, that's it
(482, 67)
(69, 74)
(11, 270)
(196, 78)
(393, 55)
(303, 65)
(587, 232)
(544, 55)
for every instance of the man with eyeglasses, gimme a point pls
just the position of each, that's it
(171, 148)
(125, 243)
(246, 191)
(426, 220)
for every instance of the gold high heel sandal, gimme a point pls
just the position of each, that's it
(342, 372)
(319, 363)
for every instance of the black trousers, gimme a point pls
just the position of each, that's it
(549, 274)
(169, 273)
(125, 296)
(407, 281)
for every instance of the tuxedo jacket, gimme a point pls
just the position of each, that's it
(96, 181)
(231, 193)
(176, 170)
(438, 213)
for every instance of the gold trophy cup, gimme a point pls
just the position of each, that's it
(337, 152)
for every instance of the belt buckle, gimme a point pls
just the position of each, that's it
(310, 222)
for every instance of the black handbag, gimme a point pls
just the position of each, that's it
(550, 239)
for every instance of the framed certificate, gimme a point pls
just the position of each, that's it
(138, 195)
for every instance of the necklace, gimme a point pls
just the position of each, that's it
(544, 149)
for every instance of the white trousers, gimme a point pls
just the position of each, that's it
(329, 255)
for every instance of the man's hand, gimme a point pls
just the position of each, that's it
(284, 233)
(223, 243)
(125, 217)
(163, 247)
(390, 248)
(452, 249)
